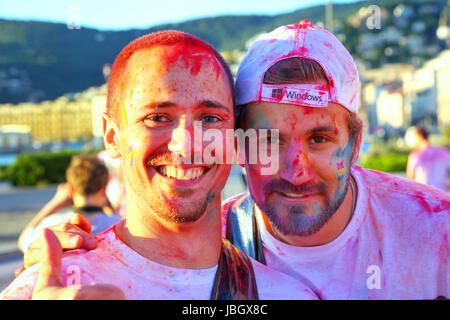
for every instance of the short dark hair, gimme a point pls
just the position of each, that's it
(423, 132)
(163, 38)
(87, 174)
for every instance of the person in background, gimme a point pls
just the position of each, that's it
(83, 193)
(428, 164)
(115, 189)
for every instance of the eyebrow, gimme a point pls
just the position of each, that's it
(204, 103)
(213, 104)
(160, 104)
(323, 128)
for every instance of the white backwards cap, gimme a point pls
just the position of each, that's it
(303, 40)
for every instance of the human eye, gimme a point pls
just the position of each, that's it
(318, 140)
(156, 119)
(210, 119)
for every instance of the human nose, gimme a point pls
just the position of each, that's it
(296, 170)
(185, 138)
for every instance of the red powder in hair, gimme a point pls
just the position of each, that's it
(180, 41)
(192, 58)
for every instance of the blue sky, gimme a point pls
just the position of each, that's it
(128, 14)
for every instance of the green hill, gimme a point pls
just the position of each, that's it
(41, 61)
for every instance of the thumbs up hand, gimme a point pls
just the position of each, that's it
(50, 285)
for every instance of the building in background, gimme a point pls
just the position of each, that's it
(68, 118)
(15, 138)
(401, 95)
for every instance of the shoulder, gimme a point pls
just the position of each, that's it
(445, 152)
(393, 188)
(22, 286)
(275, 285)
(402, 205)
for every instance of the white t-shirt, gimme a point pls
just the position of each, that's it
(113, 262)
(396, 245)
(430, 166)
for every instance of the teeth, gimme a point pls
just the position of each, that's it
(294, 195)
(180, 173)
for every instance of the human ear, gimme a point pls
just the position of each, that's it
(111, 136)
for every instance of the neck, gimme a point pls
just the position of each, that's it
(423, 144)
(193, 245)
(329, 231)
(91, 200)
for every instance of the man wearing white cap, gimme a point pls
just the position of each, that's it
(350, 233)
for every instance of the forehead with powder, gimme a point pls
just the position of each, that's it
(160, 59)
(154, 74)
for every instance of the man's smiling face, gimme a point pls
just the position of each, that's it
(315, 159)
(164, 90)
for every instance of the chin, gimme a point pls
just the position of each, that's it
(179, 210)
(296, 220)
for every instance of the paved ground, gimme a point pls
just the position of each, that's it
(17, 207)
(8, 265)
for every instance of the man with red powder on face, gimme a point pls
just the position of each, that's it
(348, 232)
(169, 246)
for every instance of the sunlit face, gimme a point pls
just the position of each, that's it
(314, 165)
(166, 90)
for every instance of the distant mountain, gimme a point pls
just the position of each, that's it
(41, 61)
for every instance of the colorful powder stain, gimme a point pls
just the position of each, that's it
(192, 57)
(132, 156)
(341, 170)
(124, 114)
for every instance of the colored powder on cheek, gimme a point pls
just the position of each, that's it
(124, 114)
(341, 170)
(132, 154)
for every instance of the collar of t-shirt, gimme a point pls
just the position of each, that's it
(285, 251)
(153, 270)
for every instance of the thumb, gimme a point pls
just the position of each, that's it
(50, 270)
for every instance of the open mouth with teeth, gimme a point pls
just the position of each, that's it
(181, 173)
(294, 195)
